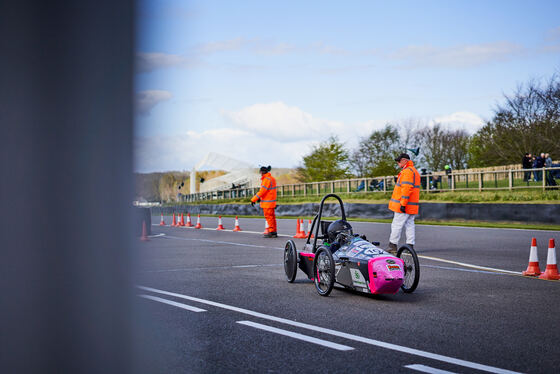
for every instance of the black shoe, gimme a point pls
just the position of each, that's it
(411, 245)
(270, 235)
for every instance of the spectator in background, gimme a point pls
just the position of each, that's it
(535, 173)
(448, 171)
(540, 164)
(548, 164)
(527, 164)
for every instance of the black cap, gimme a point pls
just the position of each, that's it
(265, 169)
(402, 155)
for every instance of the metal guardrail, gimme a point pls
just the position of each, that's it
(512, 179)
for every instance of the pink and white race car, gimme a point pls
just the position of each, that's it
(350, 260)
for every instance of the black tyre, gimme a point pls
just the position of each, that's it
(290, 260)
(411, 268)
(323, 271)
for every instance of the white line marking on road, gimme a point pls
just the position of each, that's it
(178, 305)
(471, 266)
(212, 268)
(295, 335)
(156, 236)
(459, 269)
(378, 343)
(427, 369)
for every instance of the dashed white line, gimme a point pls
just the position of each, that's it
(169, 302)
(428, 369)
(295, 335)
(378, 343)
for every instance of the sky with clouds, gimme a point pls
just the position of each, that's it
(264, 81)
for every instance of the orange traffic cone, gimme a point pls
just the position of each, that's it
(237, 228)
(198, 225)
(220, 226)
(551, 272)
(265, 227)
(162, 222)
(189, 223)
(300, 234)
(182, 222)
(174, 223)
(144, 236)
(533, 269)
(309, 230)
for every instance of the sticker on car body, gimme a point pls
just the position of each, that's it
(393, 267)
(358, 279)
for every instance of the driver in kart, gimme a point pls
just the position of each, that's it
(340, 234)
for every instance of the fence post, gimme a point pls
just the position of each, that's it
(384, 184)
(452, 182)
(480, 184)
(348, 186)
(543, 173)
(510, 179)
(332, 187)
(305, 189)
(318, 193)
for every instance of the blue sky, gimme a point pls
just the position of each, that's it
(264, 81)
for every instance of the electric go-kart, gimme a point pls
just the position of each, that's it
(350, 260)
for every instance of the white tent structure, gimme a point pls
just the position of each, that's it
(239, 174)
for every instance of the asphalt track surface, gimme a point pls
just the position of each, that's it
(218, 302)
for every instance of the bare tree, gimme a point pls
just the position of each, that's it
(528, 121)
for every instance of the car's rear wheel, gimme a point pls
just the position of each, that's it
(411, 268)
(323, 271)
(290, 260)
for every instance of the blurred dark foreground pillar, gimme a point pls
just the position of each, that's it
(66, 78)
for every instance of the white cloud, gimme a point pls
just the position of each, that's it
(457, 56)
(258, 46)
(148, 62)
(468, 121)
(182, 152)
(282, 122)
(147, 100)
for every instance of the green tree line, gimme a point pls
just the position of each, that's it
(527, 121)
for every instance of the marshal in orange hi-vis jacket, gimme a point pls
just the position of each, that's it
(267, 197)
(407, 191)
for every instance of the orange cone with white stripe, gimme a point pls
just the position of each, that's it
(162, 222)
(300, 234)
(309, 230)
(265, 227)
(144, 236)
(182, 222)
(189, 223)
(237, 228)
(551, 272)
(174, 223)
(533, 269)
(198, 225)
(220, 226)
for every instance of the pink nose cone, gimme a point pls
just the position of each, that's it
(386, 274)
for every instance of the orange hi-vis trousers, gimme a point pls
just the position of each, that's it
(270, 216)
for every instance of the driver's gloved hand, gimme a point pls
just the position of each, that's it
(403, 209)
(253, 204)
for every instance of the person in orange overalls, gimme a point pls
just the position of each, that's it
(405, 203)
(267, 198)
